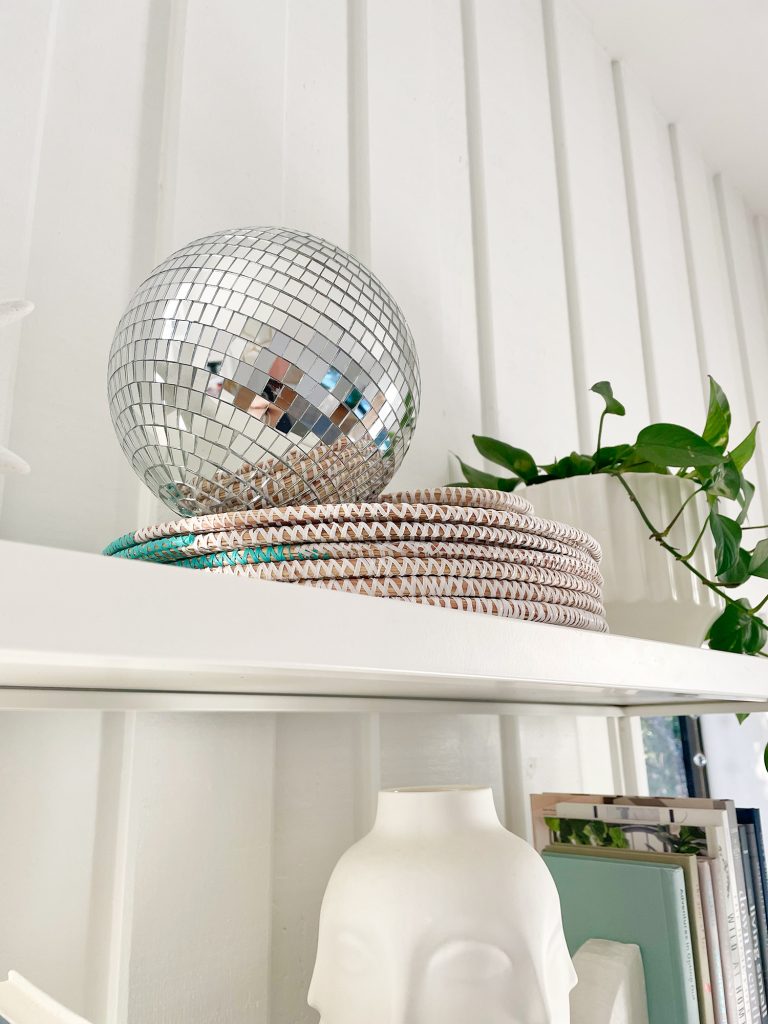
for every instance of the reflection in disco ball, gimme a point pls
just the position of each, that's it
(262, 366)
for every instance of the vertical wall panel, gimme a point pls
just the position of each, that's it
(708, 277)
(227, 164)
(268, 144)
(79, 270)
(749, 305)
(596, 758)
(49, 777)
(108, 928)
(760, 225)
(200, 832)
(442, 750)
(25, 57)
(673, 375)
(719, 343)
(421, 231)
(316, 184)
(557, 753)
(601, 287)
(522, 309)
(761, 233)
(318, 792)
(761, 230)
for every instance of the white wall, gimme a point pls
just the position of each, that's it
(542, 226)
(170, 867)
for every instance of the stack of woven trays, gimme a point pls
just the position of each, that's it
(465, 548)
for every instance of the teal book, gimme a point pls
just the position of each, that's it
(628, 901)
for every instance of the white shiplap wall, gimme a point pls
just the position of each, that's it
(542, 226)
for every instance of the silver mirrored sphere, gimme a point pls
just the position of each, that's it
(262, 366)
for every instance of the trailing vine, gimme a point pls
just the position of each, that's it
(717, 472)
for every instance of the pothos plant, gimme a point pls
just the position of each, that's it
(577, 832)
(717, 471)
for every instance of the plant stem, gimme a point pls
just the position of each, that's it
(680, 511)
(762, 526)
(600, 429)
(692, 552)
(684, 559)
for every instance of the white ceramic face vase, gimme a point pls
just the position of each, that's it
(441, 916)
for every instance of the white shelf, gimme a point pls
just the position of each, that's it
(80, 630)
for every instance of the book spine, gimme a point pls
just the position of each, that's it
(760, 850)
(752, 906)
(700, 954)
(746, 949)
(726, 928)
(678, 904)
(760, 897)
(713, 942)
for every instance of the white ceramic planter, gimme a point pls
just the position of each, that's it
(441, 916)
(647, 593)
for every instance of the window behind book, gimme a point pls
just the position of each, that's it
(673, 757)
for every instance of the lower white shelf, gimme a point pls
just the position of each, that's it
(79, 630)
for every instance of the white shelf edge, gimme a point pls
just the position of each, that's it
(75, 622)
(58, 699)
(17, 698)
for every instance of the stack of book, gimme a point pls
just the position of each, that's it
(683, 878)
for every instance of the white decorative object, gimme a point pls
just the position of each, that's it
(10, 311)
(646, 592)
(10, 462)
(22, 1003)
(14, 309)
(441, 916)
(611, 988)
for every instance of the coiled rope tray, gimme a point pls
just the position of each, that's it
(464, 548)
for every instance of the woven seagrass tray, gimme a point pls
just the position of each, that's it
(470, 549)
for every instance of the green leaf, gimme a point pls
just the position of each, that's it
(519, 461)
(742, 716)
(735, 630)
(613, 406)
(574, 464)
(745, 499)
(718, 417)
(618, 838)
(611, 456)
(727, 536)
(725, 481)
(580, 833)
(479, 478)
(668, 444)
(633, 462)
(765, 757)
(743, 452)
(581, 464)
(738, 573)
(758, 563)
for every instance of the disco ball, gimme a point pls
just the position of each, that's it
(262, 366)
